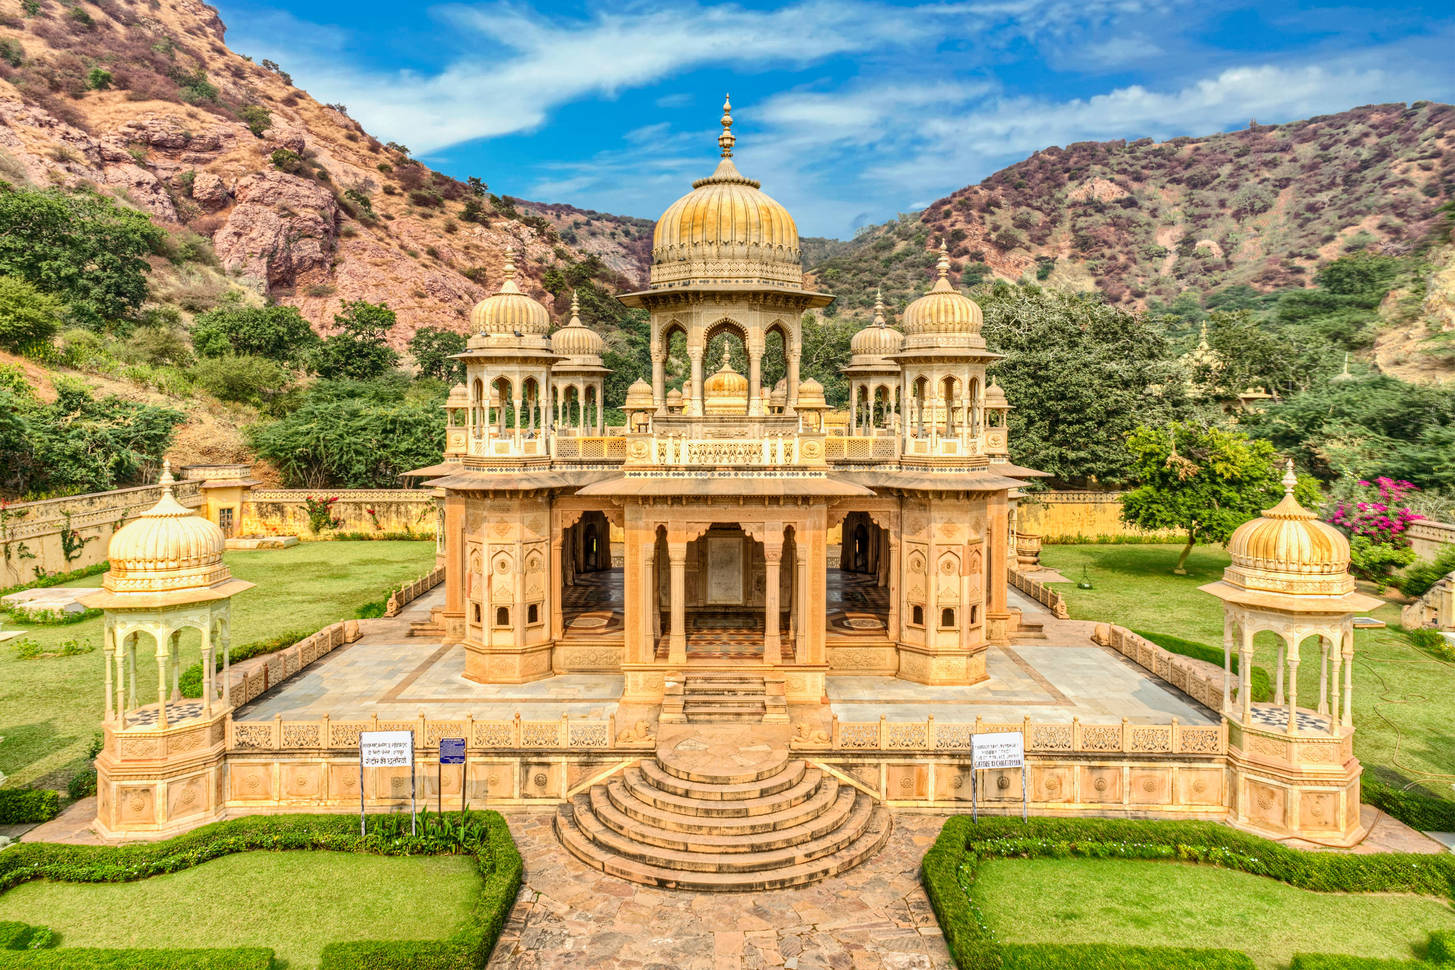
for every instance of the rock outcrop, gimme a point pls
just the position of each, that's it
(281, 228)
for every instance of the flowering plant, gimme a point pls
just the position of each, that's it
(320, 513)
(374, 518)
(1378, 515)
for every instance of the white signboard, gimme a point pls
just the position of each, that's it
(1000, 750)
(386, 749)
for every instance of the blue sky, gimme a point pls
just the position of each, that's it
(848, 111)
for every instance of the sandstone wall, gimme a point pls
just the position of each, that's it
(279, 511)
(1087, 516)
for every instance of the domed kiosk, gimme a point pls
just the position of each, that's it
(160, 769)
(1289, 576)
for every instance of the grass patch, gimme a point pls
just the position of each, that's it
(1403, 704)
(50, 707)
(1145, 903)
(253, 899)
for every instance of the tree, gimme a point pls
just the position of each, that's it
(1202, 480)
(350, 434)
(1081, 375)
(79, 247)
(276, 332)
(359, 351)
(28, 317)
(242, 379)
(432, 349)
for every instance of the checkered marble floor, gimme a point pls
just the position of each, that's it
(1277, 717)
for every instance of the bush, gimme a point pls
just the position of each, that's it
(286, 160)
(276, 332)
(241, 379)
(83, 783)
(1419, 578)
(256, 117)
(98, 79)
(28, 317)
(1414, 808)
(88, 958)
(1375, 561)
(20, 806)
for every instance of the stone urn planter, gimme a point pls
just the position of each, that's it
(1028, 551)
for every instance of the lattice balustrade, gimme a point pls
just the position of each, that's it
(1051, 737)
(588, 734)
(252, 737)
(913, 735)
(540, 734)
(305, 735)
(863, 736)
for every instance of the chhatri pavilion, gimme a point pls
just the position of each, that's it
(723, 641)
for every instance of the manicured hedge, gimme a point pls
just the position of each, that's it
(21, 805)
(1098, 956)
(949, 868)
(483, 834)
(88, 958)
(1414, 808)
(1262, 687)
(23, 936)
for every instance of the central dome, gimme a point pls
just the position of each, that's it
(943, 313)
(1288, 550)
(166, 548)
(509, 313)
(726, 230)
(726, 391)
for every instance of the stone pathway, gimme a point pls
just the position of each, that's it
(571, 916)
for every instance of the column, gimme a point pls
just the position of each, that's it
(854, 408)
(558, 619)
(1334, 657)
(677, 644)
(226, 665)
(792, 399)
(1323, 707)
(1292, 686)
(1227, 662)
(772, 559)
(120, 659)
(659, 382)
(695, 406)
(108, 640)
(208, 671)
(1245, 675)
(892, 624)
(600, 410)
(163, 656)
(1348, 676)
(1278, 675)
(800, 546)
(755, 380)
(131, 643)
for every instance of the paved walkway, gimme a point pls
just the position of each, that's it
(571, 916)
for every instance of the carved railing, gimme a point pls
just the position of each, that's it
(851, 448)
(410, 592)
(776, 450)
(1193, 677)
(1040, 592)
(930, 735)
(590, 448)
(329, 734)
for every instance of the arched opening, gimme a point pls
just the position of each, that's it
(919, 392)
(501, 397)
(531, 404)
(859, 577)
(726, 596)
(775, 354)
(592, 588)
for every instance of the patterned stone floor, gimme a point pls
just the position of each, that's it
(571, 916)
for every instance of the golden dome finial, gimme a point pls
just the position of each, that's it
(943, 266)
(879, 306)
(726, 140)
(166, 480)
(510, 263)
(575, 309)
(1289, 479)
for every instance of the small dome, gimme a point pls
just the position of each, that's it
(725, 391)
(726, 229)
(575, 339)
(509, 312)
(674, 398)
(995, 396)
(810, 396)
(942, 311)
(638, 396)
(166, 548)
(878, 339)
(1288, 550)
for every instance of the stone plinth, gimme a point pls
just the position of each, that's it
(1295, 785)
(156, 783)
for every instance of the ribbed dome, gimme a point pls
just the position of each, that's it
(510, 312)
(575, 339)
(943, 311)
(878, 339)
(725, 391)
(810, 396)
(166, 548)
(1288, 550)
(726, 230)
(995, 396)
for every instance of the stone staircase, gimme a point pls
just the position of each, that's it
(725, 696)
(726, 829)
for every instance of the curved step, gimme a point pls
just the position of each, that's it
(735, 775)
(754, 861)
(636, 783)
(602, 806)
(629, 804)
(784, 778)
(875, 834)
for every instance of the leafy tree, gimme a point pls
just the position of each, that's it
(359, 350)
(1081, 375)
(28, 317)
(276, 332)
(256, 117)
(1202, 480)
(77, 246)
(432, 348)
(1371, 426)
(351, 434)
(77, 443)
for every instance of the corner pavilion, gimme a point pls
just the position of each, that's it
(722, 642)
(699, 537)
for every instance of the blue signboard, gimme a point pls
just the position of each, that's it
(452, 751)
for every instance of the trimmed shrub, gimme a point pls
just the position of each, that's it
(1262, 686)
(1414, 808)
(22, 936)
(88, 958)
(22, 805)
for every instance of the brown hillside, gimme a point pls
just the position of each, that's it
(313, 212)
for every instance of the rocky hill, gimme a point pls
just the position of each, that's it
(142, 98)
(1146, 221)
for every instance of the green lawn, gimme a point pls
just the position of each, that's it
(50, 707)
(294, 902)
(1138, 903)
(1404, 699)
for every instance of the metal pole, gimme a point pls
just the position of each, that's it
(361, 791)
(974, 802)
(1025, 811)
(464, 776)
(439, 785)
(412, 830)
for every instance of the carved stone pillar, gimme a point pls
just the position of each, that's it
(755, 380)
(677, 642)
(659, 382)
(772, 559)
(696, 407)
(792, 397)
